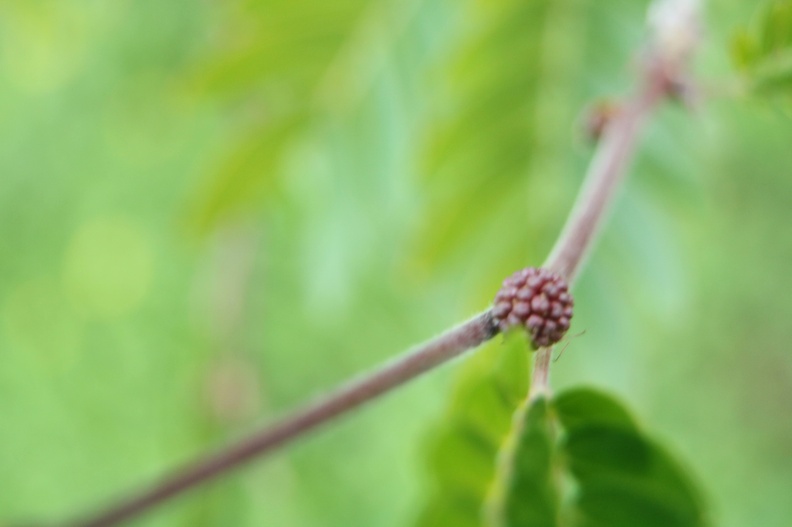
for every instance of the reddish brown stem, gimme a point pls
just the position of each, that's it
(348, 397)
(606, 171)
(604, 177)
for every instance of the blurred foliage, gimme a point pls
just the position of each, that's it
(531, 497)
(270, 63)
(210, 211)
(466, 443)
(611, 472)
(578, 459)
(764, 51)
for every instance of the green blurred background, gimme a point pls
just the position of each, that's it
(211, 211)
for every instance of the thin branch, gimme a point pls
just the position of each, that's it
(605, 174)
(423, 358)
(675, 35)
(606, 171)
(676, 32)
(540, 381)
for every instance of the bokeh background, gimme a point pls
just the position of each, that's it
(211, 211)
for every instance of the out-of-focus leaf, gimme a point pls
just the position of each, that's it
(246, 172)
(464, 448)
(763, 52)
(481, 150)
(620, 476)
(532, 494)
(744, 50)
(579, 408)
(496, 152)
(623, 477)
(271, 67)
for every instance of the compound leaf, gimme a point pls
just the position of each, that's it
(581, 460)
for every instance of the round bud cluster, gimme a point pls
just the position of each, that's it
(539, 301)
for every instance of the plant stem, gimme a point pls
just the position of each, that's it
(540, 381)
(605, 173)
(422, 358)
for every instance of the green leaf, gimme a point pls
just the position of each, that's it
(763, 52)
(582, 461)
(532, 496)
(480, 150)
(270, 66)
(624, 477)
(744, 50)
(243, 176)
(464, 448)
(581, 407)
